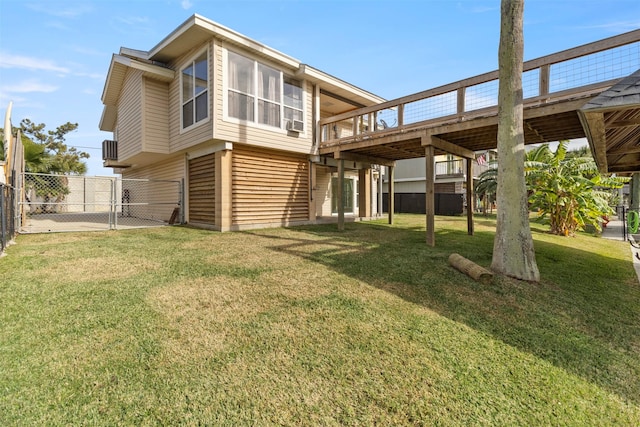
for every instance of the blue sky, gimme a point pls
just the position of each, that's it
(54, 55)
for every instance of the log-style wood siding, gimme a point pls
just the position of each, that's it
(269, 187)
(202, 194)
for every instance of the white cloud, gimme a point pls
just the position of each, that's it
(186, 4)
(73, 11)
(132, 20)
(89, 51)
(57, 25)
(6, 97)
(29, 86)
(615, 27)
(95, 76)
(8, 60)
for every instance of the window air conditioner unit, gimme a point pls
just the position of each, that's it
(295, 125)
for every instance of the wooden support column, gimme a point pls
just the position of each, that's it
(380, 193)
(364, 193)
(340, 195)
(223, 199)
(430, 194)
(312, 191)
(470, 197)
(391, 192)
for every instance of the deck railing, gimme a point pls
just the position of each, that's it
(582, 69)
(450, 167)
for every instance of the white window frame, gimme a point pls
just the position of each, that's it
(192, 63)
(255, 123)
(354, 198)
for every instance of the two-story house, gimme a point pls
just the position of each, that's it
(235, 121)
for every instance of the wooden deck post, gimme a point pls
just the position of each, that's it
(391, 192)
(364, 193)
(340, 195)
(430, 194)
(380, 193)
(223, 190)
(470, 197)
(312, 191)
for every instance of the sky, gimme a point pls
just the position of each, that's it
(55, 55)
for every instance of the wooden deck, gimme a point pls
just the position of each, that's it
(590, 91)
(463, 115)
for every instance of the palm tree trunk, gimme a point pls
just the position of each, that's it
(513, 253)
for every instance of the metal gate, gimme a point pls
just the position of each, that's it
(55, 203)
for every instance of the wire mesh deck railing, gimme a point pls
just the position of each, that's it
(597, 64)
(55, 203)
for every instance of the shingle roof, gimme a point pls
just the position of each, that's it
(625, 93)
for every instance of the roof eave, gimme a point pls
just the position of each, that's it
(197, 28)
(108, 118)
(117, 69)
(335, 84)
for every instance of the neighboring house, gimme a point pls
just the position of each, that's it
(450, 183)
(236, 121)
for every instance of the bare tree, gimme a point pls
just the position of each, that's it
(513, 253)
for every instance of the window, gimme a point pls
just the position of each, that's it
(293, 106)
(195, 91)
(261, 94)
(348, 194)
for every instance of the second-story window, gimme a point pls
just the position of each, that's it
(195, 91)
(261, 94)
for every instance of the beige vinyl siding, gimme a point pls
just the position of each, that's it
(156, 117)
(161, 193)
(202, 194)
(202, 131)
(269, 187)
(278, 139)
(130, 116)
(323, 191)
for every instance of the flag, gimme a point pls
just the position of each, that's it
(481, 160)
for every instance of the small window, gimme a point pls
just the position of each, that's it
(292, 100)
(195, 91)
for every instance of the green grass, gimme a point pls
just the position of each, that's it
(310, 326)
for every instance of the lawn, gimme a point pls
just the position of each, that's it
(311, 326)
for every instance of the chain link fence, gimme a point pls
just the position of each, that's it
(7, 215)
(55, 203)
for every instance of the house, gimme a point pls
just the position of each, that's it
(449, 186)
(235, 121)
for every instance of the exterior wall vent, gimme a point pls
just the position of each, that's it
(109, 150)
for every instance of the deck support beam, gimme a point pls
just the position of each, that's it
(392, 193)
(429, 154)
(470, 197)
(364, 193)
(340, 195)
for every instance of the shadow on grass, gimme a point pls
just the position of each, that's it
(582, 316)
